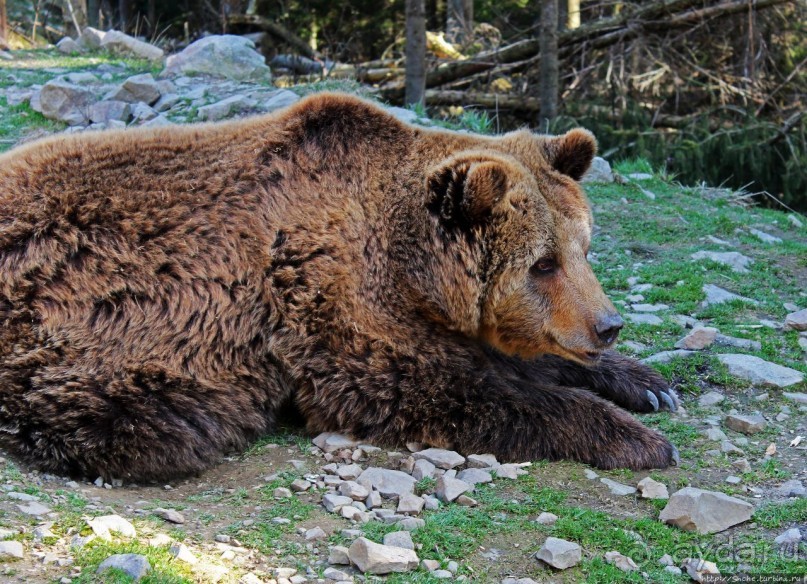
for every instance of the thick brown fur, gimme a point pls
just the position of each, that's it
(162, 292)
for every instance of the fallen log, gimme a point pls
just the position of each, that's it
(277, 30)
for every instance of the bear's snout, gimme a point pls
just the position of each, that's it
(607, 328)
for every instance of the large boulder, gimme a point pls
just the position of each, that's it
(119, 42)
(225, 56)
(65, 102)
(374, 558)
(702, 511)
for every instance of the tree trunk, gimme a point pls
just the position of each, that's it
(3, 25)
(573, 13)
(548, 90)
(93, 9)
(124, 13)
(459, 20)
(415, 52)
(74, 15)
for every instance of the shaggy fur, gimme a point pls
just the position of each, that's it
(163, 292)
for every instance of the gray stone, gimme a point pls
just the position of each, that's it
(703, 511)
(373, 500)
(735, 260)
(166, 102)
(792, 488)
(22, 496)
(390, 483)
(715, 434)
(336, 575)
(599, 172)
(710, 399)
(401, 539)
(650, 319)
(697, 568)
(103, 111)
(227, 107)
(11, 549)
(140, 88)
(590, 474)
(449, 489)
(69, 46)
(621, 562)
(727, 447)
(354, 490)
(741, 464)
(791, 537)
(333, 503)
(170, 515)
(652, 489)
(133, 565)
(410, 523)
(410, 503)
(423, 469)
(745, 424)
(482, 461)
(737, 343)
(225, 56)
(667, 356)
(338, 555)
(797, 321)
(440, 457)
(119, 42)
(279, 100)
(331, 442)
(348, 471)
(300, 485)
(373, 558)
(315, 533)
(404, 115)
(717, 295)
(799, 398)
(65, 102)
(795, 221)
(649, 307)
(760, 372)
(733, 480)
(182, 553)
(474, 476)
(281, 493)
(559, 553)
(106, 525)
(764, 237)
(618, 488)
(91, 38)
(699, 338)
(159, 121)
(34, 508)
(546, 518)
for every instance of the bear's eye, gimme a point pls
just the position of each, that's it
(544, 266)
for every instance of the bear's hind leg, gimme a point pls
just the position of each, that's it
(145, 423)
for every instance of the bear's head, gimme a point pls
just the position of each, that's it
(513, 229)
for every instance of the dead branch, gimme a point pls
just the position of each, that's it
(276, 30)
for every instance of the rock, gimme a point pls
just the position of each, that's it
(333, 503)
(281, 493)
(430, 565)
(732, 480)
(623, 563)
(133, 565)
(348, 471)
(373, 500)
(735, 260)
(649, 307)
(34, 508)
(715, 434)
(667, 356)
(760, 372)
(91, 38)
(710, 399)
(102, 112)
(330, 442)
(226, 107)
(338, 555)
(795, 221)
(401, 539)
(404, 115)
(440, 458)
(170, 515)
(697, 568)
(703, 511)
(106, 525)
(799, 398)
(618, 488)
(159, 121)
(792, 488)
(745, 424)
(482, 461)
(649, 319)
(11, 549)
(182, 553)
(509, 471)
(674, 570)
(559, 553)
(449, 489)
(68, 46)
(599, 172)
(590, 474)
(546, 518)
(797, 321)
(119, 42)
(354, 490)
(225, 56)
(764, 237)
(315, 533)
(717, 295)
(466, 501)
(22, 496)
(741, 464)
(166, 102)
(666, 560)
(279, 100)
(746, 344)
(300, 485)
(336, 575)
(373, 558)
(791, 537)
(423, 469)
(410, 523)
(410, 503)
(474, 476)
(727, 447)
(65, 102)
(699, 338)
(652, 489)
(390, 483)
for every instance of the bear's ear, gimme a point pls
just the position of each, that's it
(572, 153)
(463, 192)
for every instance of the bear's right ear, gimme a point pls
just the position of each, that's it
(463, 192)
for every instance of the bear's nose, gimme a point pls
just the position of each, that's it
(608, 327)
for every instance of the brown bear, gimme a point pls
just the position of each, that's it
(163, 292)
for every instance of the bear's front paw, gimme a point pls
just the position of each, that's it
(639, 388)
(648, 450)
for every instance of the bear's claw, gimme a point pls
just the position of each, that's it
(668, 401)
(653, 400)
